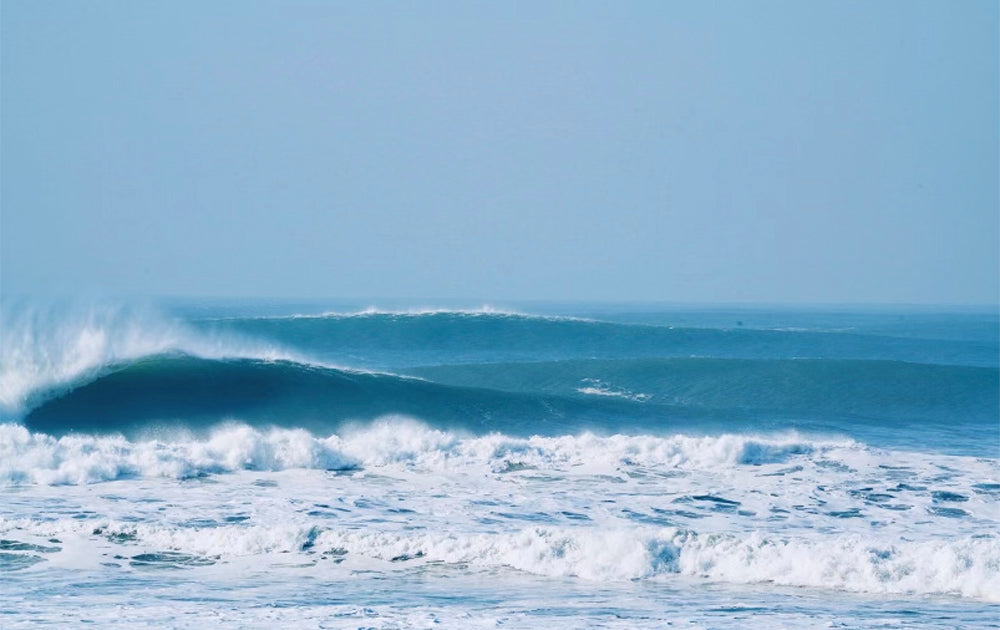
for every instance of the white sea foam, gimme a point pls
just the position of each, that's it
(966, 566)
(595, 387)
(27, 457)
(485, 310)
(398, 495)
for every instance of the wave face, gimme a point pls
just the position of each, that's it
(675, 463)
(45, 349)
(193, 392)
(541, 397)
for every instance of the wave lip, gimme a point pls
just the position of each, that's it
(46, 349)
(486, 311)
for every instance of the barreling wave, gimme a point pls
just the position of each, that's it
(194, 392)
(648, 395)
(45, 350)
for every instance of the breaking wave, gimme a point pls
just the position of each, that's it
(968, 566)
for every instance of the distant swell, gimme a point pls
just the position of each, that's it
(414, 337)
(804, 387)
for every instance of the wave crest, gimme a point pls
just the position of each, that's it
(38, 458)
(967, 566)
(45, 347)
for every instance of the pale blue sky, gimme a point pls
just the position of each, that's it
(679, 151)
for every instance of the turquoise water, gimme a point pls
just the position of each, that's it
(530, 465)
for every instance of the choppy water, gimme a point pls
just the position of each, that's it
(576, 466)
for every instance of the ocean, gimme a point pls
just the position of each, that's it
(337, 465)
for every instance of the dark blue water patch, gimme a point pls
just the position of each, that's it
(119, 537)
(170, 560)
(878, 497)
(870, 495)
(711, 502)
(335, 555)
(534, 517)
(715, 499)
(808, 509)
(18, 561)
(901, 487)
(678, 513)
(648, 519)
(665, 557)
(575, 516)
(310, 539)
(16, 545)
(401, 511)
(406, 557)
(881, 554)
(986, 488)
(947, 512)
(236, 518)
(943, 496)
(849, 513)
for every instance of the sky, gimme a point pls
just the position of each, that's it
(728, 152)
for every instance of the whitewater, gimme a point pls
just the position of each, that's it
(607, 466)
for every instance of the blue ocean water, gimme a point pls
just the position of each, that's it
(582, 465)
